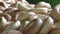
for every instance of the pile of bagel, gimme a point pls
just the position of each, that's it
(21, 17)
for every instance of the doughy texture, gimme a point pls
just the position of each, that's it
(15, 32)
